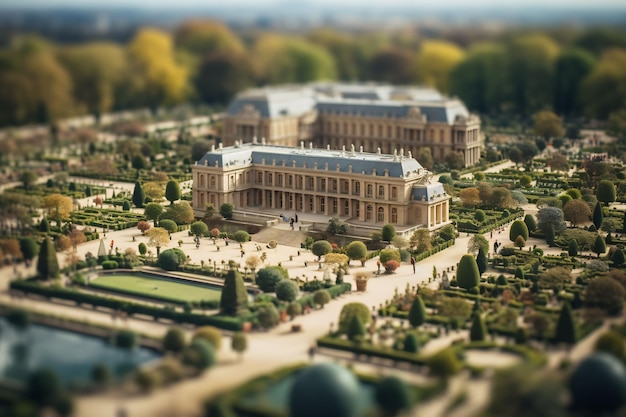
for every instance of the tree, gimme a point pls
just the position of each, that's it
(572, 248)
(481, 261)
(169, 225)
(170, 260)
(143, 226)
(531, 225)
(393, 396)
(420, 240)
(476, 242)
(321, 298)
(417, 313)
(180, 212)
(268, 316)
(287, 290)
(241, 236)
(550, 216)
(392, 65)
(139, 162)
(601, 91)
(356, 250)
(550, 236)
(468, 275)
(138, 195)
(158, 237)
(211, 335)
(47, 263)
(174, 340)
(565, 327)
(77, 237)
(555, 278)
(525, 181)
(444, 363)
(221, 75)
(518, 228)
(388, 232)
(172, 191)
(571, 68)
(226, 210)
(478, 331)
(388, 255)
(153, 211)
(348, 312)
(470, 196)
(44, 387)
(28, 179)
(598, 216)
(321, 248)
(611, 342)
(425, 157)
(605, 293)
(199, 229)
(126, 339)
(58, 207)
(234, 298)
(605, 192)
(356, 329)
(268, 278)
(293, 310)
(239, 343)
(618, 257)
(411, 343)
(548, 125)
(199, 355)
(576, 212)
(29, 248)
(558, 162)
(599, 246)
(435, 61)
(154, 190)
(101, 374)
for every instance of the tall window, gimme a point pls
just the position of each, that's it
(394, 215)
(394, 193)
(212, 181)
(368, 213)
(334, 205)
(323, 184)
(357, 188)
(334, 185)
(270, 179)
(346, 207)
(370, 190)
(322, 204)
(381, 214)
(290, 180)
(381, 191)
(259, 178)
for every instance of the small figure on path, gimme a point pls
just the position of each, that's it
(312, 352)
(413, 263)
(296, 217)
(378, 266)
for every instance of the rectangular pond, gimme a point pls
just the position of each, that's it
(157, 287)
(71, 355)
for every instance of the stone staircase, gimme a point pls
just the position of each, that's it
(283, 237)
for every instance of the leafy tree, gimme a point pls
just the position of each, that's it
(601, 90)
(138, 195)
(180, 212)
(605, 192)
(126, 339)
(221, 75)
(455, 160)
(321, 297)
(139, 162)
(348, 312)
(170, 260)
(480, 216)
(168, 225)
(425, 157)
(143, 226)
(598, 216)
(241, 236)
(388, 232)
(548, 125)
(287, 290)
(435, 62)
(611, 342)
(356, 329)
(28, 179)
(58, 207)
(571, 68)
(576, 212)
(293, 310)
(444, 363)
(417, 313)
(199, 229)
(605, 293)
(268, 278)
(476, 242)
(268, 316)
(29, 248)
(174, 340)
(618, 257)
(565, 327)
(172, 191)
(447, 232)
(44, 388)
(336, 227)
(572, 249)
(392, 65)
(481, 261)
(200, 355)
(558, 162)
(393, 396)
(239, 343)
(226, 210)
(411, 343)
(457, 309)
(234, 298)
(470, 197)
(205, 37)
(550, 216)
(210, 334)
(420, 240)
(389, 254)
(468, 275)
(321, 248)
(356, 250)
(599, 246)
(158, 237)
(478, 331)
(153, 211)
(47, 263)
(554, 278)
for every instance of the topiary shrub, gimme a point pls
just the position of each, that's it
(199, 354)
(109, 265)
(411, 343)
(321, 298)
(241, 236)
(518, 228)
(468, 275)
(393, 396)
(168, 260)
(169, 225)
(267, 278)
(287, 290)
(391, 266)
(349, 311)
(389, 254)
(480, 216)
(268, 316)
(210, 334)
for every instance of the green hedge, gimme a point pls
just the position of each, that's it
(223, 322)
(369, 350)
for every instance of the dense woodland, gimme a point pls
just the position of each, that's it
(574, 72)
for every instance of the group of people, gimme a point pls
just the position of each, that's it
(292, 220)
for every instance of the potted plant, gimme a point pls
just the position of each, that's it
(361, 279)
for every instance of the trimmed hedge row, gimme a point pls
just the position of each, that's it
(334, 291)
(368, 350)
(223, 322)
(434, 250)
(470, 227)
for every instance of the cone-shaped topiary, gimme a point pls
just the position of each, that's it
(572, 248)
(138, 195)
(565, 327)
(47, 264)
(478, 331)
(468, 275)
(518, 228)
(481, 260)
(618, 257)
(599, 246)
(550, 235)
(234, 296)
(417, 314)
(519, 273)
(598, 216)
(411, 343)
(531, 223)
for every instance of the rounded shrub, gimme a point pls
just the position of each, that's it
(267, 278)
(287, 290)
(389, 254)
(349, 311)
(480, 216)
(241, 236)
(393, 396)
(210, 334)
(199, 355)
(169, 225)
(598, 384)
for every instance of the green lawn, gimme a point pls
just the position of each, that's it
(157, 288)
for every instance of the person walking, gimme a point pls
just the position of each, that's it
(413, 263)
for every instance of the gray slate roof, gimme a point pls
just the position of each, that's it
(362, 162)
(427, 191)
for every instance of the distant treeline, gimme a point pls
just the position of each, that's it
(576, 73)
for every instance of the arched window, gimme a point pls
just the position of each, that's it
(368, 213)
(394, 215)
(381, 215)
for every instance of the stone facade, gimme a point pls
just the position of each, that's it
(374, 117)
(357, 186)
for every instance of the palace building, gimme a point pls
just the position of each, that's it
(371, 116)
(359, 187)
